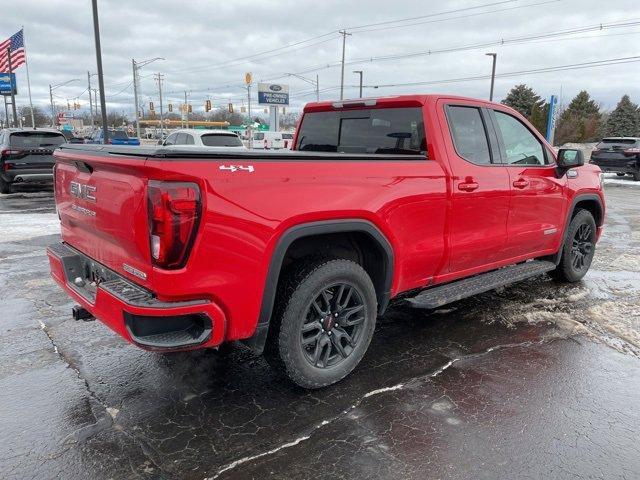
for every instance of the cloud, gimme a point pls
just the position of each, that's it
(205, 42)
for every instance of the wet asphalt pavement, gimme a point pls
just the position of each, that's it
(537, 380)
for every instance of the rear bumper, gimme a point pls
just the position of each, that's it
(132, 311)
(30, 175)
(629, 165)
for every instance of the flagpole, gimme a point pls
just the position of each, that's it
(26, 64)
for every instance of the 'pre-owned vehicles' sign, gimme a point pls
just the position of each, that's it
(273, 94)
(6, 82)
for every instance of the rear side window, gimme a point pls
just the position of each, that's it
(119, 135)
(521, 146)
(258, 136)
(189, 139)
(469, 134)
(181, 139)
(373, 131)
(287, 136)
(221, 140)
(36, 139)
(617, 143)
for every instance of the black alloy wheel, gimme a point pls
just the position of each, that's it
(333, 325)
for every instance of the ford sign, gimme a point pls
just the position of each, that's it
(273, 94)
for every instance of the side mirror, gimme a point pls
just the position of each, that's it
(570, 158)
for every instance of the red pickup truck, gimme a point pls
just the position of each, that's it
(427, 198)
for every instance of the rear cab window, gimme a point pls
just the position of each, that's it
(221, 140)
(29, 140)
(469, 134)
(373, 131)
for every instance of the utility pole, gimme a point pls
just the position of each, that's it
(359, 72)
(249, 101)
(136, 78)
(344, 42)
(95, 101)
(158, 77)
(135, 96)
(493, 73)
(103, 103)
(186, 109)
(53, 113)
(90, 101)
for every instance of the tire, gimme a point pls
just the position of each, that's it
(578, 248)
(636, 176)
(323, 322)
(620, 174)
(5, 187)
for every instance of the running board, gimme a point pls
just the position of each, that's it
(451, 292)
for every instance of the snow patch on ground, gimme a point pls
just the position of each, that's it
(15, 228)
(627, 181)
(620, 318)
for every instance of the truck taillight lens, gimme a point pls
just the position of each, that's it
(174, 214)
(632, 151)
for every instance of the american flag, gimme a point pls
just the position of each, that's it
(15, 44)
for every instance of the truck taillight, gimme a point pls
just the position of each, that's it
(632, 151)
(174, 214)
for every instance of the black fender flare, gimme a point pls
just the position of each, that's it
(572, 208)
(257, 341)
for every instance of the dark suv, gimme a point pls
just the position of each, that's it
(26, 155)
(618, 154)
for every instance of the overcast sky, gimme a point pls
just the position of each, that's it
(204, 43)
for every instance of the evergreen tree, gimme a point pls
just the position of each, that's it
(523, 99)
(580, 121)
(623, 120)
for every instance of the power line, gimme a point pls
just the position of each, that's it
(301, 43)
(498, 42)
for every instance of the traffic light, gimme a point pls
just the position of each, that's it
(171, 107)
(207, 105)
(284, 110)
(243, 109)
(190, 109)
(231, 108)
(151, 106)
(68, 105)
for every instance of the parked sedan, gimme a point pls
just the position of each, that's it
(618, 154)
(205, 138)
(26, 155)
(116, 137)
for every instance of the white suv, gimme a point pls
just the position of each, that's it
(204, 138)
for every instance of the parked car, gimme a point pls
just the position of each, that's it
(71, 138)
(618, 154)
(116, 137)
(26, 155)
(297, 253)
(272, 140)
(204, 138)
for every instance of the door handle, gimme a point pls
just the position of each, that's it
(520, 183)
(468, 186)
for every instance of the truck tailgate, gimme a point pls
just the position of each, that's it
(101, 200)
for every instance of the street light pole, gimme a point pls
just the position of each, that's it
(493, 73)
(103, 103)
(159, 79)
(309, 81)
(359, 72)
(344, 42)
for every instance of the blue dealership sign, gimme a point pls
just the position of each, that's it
(273, 94)
(6, 81)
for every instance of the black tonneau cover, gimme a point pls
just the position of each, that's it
(205, 153)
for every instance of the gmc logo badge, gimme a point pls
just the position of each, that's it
(80, 190)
